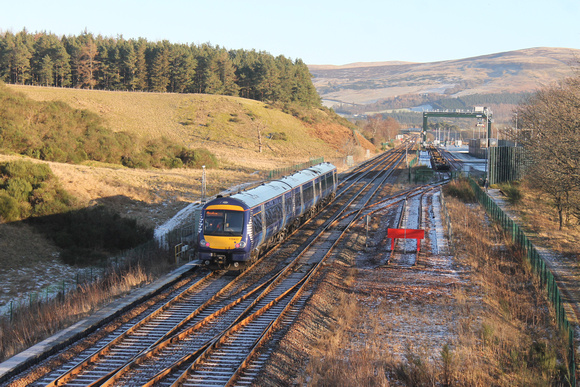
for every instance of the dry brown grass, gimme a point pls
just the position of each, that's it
(371, 327)
(34, 323)
(513, 339)
(226, 126)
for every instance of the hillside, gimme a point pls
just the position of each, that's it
(507, 72)
(227, 126)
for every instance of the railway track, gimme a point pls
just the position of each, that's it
(456, 165)
(179, 339)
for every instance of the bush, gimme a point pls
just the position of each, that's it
(172, 162)
(19, 188)
(460, 189)
(30, 189)
(9, 208)
(139, 161)
(196, 158)
(278, 136)
(35, 173)
(512, 191)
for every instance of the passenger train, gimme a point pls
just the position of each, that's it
(235, 230)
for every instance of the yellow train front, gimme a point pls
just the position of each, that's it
(235, 230)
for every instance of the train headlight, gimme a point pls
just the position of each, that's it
(240, 245)
(203, 243)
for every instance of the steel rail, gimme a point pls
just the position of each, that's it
(102, 352)
(173, 340)
(132, 334)
(313, 269)
(75, 370)
(455, 163)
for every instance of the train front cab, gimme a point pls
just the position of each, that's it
(223, 240)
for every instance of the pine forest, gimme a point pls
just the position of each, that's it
(106, 63)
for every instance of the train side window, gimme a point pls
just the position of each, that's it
(274, 211)
(308, 193)
(257, 222)
(288, 200)
(330, 180)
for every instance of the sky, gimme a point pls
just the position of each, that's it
(317, 31)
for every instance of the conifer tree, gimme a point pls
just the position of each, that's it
(139, 82)
(160, 70)
(127, 64)
(62, 70)
(109, 64)
(46, 71)
(19, 55)
(88, 64)
(73, 48)
(181, 69)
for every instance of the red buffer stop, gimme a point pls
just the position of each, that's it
(405, 233)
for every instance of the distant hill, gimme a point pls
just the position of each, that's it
(376, 86)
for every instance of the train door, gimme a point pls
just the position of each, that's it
(283, 224)
(314, 195)
(301, 200)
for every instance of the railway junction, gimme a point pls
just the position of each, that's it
(200, 327)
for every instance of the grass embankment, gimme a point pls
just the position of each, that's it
(226, 126)
(515, 340)
(55, 131)
(42, 319)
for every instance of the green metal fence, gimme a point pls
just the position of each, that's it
(506, 164)
(274, 173)
(539, 267)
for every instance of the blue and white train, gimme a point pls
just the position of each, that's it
(235, 230)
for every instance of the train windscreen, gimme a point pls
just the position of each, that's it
(223, 223)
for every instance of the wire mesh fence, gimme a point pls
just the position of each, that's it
(146, 255)
(506, 164)
(275, 173)
(539, 267)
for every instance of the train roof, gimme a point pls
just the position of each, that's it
(267, 191)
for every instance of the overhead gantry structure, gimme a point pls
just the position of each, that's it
(478, 112)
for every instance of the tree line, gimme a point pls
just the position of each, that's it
(106, 63)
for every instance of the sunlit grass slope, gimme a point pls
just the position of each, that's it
(230, 127)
